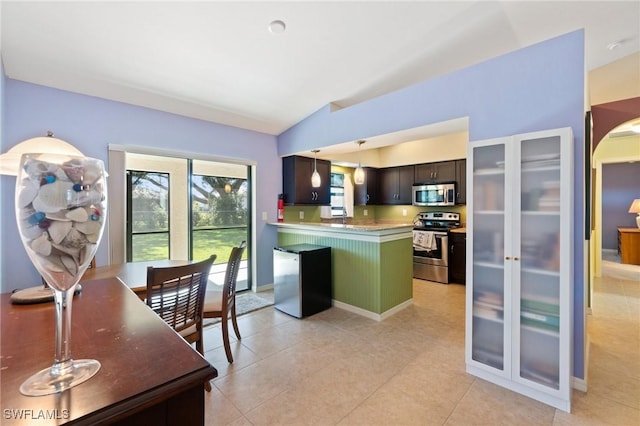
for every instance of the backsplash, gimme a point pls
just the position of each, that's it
(382, 214)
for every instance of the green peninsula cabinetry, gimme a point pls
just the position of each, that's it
(371, 264)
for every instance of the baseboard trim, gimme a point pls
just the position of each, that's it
(265, 287)
(372, 315)
(583, 384)
(579, 384)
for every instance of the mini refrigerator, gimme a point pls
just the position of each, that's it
(302, 279)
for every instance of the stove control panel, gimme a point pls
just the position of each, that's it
(439, 220)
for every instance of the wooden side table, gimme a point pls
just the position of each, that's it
(629, 245)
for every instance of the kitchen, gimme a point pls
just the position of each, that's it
(374, 205)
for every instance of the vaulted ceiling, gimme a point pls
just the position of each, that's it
(219, 61)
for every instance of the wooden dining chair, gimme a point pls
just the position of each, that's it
(176, 294)
(223, 304)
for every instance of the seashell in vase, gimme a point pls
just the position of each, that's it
(74, 170)
(77, 215)
(28, 192)
(58, 230)
(42, 245)
(53, 197)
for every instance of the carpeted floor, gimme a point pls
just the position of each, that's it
(247, 302)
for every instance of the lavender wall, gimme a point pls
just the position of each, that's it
(92, 124)
(2, 181)
(620, 186)
(540, 87)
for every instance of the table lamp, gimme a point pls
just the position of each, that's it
(635, 208)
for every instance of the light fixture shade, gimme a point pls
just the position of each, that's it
(635, 206)
(10, 160)
(358, 176)
(315, 179)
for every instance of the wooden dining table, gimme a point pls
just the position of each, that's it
(148, 373)
(132, 274)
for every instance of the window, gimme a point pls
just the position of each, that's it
(148, 216)
(182, 208)
(337, 195)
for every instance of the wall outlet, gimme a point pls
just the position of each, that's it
(365, 212)
(264, 216)
(404, 212)
(301, 215)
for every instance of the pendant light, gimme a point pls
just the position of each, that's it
(358, 176)
(315, 177)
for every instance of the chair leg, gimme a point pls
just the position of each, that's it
(225, 338)
(234, 322)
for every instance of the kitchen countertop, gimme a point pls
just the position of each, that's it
(459, 230)
(370, 229)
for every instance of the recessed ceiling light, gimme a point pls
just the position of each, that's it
(277, 27)
(613, 45)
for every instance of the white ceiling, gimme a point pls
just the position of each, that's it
(217, 61)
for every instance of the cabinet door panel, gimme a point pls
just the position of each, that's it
(445, 171)
(488, 247)
(367, 193)
(405, 184)
(461, 181)
(539, 249)
(388, 186)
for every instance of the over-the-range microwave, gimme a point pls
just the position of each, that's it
(434, 194)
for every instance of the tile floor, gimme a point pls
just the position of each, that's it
(340, 368)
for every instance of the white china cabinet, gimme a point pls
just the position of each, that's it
(520, 264)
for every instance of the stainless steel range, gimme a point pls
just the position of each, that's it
(431, 245)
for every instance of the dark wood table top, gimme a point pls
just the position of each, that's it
(143, 360)
(132, 274)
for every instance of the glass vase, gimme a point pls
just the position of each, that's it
(61, 207)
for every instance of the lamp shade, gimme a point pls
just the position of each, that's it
(635, 206)
(10, 160)
(358, 176)
(316, 181)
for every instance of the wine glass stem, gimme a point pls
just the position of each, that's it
(63, 363)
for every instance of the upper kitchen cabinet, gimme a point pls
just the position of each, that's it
(440, 172)
(520, 264)
(296, 181)
(461, 181)
(396, 184)
(367, 193)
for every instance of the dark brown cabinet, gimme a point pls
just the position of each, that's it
(461, 181)
(457, 257)
(396, 184)
(296, 181)
(440, 172)
(367, 193)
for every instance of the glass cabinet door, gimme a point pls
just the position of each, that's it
(539, 260)
(488, 210)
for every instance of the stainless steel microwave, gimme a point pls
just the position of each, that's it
(434, 194)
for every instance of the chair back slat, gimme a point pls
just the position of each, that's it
(176, 293)
(231, 276)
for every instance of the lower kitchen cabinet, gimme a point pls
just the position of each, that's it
(519, 266)
(457, 257)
